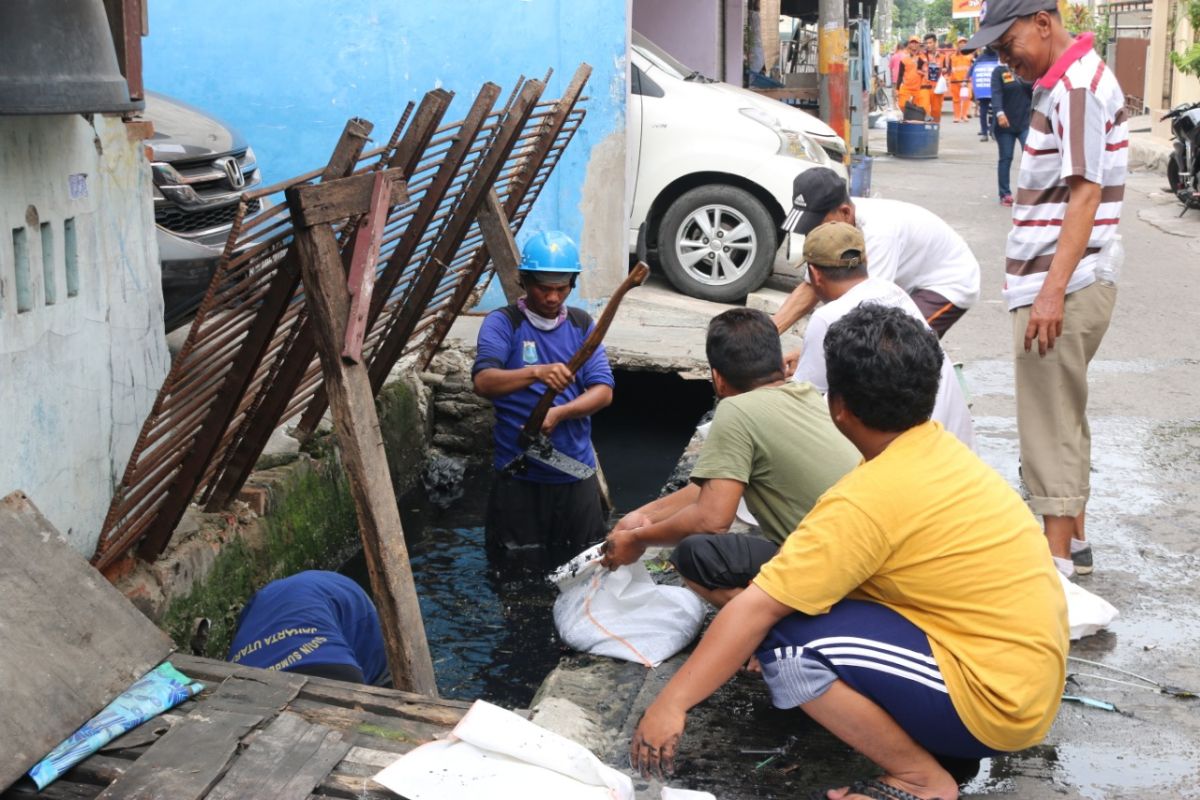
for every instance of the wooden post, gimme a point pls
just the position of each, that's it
(501, 247)
(360, 444)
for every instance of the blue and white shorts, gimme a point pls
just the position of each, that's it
(880, 655)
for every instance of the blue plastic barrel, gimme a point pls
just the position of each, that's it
(912, 139)
(860, 176)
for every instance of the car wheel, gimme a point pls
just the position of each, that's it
(717, 243)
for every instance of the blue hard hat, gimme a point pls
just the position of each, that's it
(550, 251)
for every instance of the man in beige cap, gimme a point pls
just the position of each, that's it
(836, 255)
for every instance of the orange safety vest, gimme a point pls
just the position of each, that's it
(927, 59)
(960, 67)
(913, 75)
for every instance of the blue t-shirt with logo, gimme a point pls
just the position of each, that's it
(502, 346)
(312, 617)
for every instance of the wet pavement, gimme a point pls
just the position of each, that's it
(1143, 521)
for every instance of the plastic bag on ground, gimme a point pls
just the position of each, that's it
(496, 754)
(685, 794)
(1086, 613)
(624, 613)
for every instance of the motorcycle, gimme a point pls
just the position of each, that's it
(1183, 170)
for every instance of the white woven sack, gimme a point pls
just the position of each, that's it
(625, 614)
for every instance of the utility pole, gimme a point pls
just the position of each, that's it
(883, 20)
(833, 46)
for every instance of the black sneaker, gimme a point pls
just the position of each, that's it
(1082, 559)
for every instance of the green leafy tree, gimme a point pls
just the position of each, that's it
(937, 16)
(1188, 62)
(1078, 18)
(909, 17)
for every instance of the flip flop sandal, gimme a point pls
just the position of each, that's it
(878, 790)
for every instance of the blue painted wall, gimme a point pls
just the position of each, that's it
(288, 73)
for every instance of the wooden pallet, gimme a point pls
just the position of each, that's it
(261, 734)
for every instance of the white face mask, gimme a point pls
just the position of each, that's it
(540, 322)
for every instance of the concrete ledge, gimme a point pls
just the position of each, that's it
(1149, 153)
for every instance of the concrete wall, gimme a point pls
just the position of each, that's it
(82, 351)
(288, 74)
(1167, 87)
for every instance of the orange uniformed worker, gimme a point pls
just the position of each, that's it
(934, 66)
(960, 81)
(910, 77)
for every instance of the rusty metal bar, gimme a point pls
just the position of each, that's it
(470, 128)
(384, 356)
(511, 204)
(257, 427)
(183, 488)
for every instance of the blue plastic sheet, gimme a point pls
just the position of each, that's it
(160, 689)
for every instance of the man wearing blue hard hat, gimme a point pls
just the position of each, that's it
(522, 350)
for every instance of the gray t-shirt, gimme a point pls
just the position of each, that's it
(781, 443)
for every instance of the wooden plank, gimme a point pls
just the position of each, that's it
(385, 701)
(71, 642)
(265, 693)
(367, 729)
(241, 372)
(188, 761)
(148, 732)
(286, 761)
(353, 787)
(332, 201)
(501, 246)
(59, 790)
(360, 441)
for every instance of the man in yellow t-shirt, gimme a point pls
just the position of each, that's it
(915, 612)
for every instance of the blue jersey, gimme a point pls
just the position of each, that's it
(312, 617)
(502, 345)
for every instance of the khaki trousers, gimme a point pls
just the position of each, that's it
(1052, 393)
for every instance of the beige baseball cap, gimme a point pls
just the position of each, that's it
(835, 244)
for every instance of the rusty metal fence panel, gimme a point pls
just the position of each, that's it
(249, 361)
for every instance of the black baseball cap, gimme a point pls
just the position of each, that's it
(815, 192)
(998, 15)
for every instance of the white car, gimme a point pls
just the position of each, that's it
(714, 165)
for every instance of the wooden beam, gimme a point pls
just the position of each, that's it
(501, 246)
(330, 201)
(360, 446)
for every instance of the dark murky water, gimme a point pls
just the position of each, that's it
(491, 634)
(490, 627)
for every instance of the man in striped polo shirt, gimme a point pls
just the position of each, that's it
(1068, 204)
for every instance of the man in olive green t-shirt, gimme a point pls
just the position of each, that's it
(772, 441)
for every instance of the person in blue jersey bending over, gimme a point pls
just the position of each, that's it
(522, 352)
(314, 623)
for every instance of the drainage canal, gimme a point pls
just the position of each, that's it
(490, 630)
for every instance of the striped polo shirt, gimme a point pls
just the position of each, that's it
(1078, 128)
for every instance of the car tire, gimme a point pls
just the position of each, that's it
(748, 240)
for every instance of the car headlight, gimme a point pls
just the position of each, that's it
(791, 143)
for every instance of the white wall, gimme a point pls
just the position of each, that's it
(77, 375)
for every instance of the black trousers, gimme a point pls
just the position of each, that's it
(543, 520)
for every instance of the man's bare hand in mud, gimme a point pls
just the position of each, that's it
(652, 751)
(1045, 321)
(556, 375)
(621, 548)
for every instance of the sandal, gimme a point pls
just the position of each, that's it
(878, 790)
